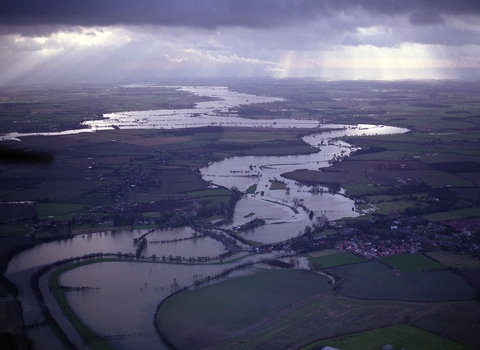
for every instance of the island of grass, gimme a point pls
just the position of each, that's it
(90, 338)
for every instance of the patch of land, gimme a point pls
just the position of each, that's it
(95, 177)
(454, 259)
(374, 280)
(420, 191)
(203, 317)
(328, 258)
(324, 315)
(413, 263)
(399, 336)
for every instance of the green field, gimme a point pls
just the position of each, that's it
(210, 193)
(55, 210)
(454, 214)
(330, 315)
(251, 189)
(400, 336)
(14, 229)
(276, 185)
(455, 260)
(374, 280)
(44, 194)
(328, 258)
(198, 318)
(412, 263)
(399, 206)
(357, 190)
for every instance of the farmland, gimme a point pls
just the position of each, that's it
(325, 315)
(329, 258)
(150, 176)
(204, 316)
(373, 280)
(412, 263)
(407, 270)
(454, 260)
(400, 336)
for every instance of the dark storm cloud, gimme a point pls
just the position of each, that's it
(220, 13)
(198, 13)
(419, 11)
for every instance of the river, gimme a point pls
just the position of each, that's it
(122, 297)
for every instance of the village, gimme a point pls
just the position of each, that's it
(392, 236)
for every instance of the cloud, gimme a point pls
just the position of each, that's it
(199, 13)
(124, 38)
(221, 13)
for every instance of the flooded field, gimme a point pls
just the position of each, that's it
(124, 295)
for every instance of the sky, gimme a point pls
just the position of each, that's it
(99, 40)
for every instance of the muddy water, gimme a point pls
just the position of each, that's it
(138, 288)
(275, 206)
(124, 295)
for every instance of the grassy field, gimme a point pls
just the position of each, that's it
(14, 229)
(397, 206)
(251, 189)
(213, 198)
(400, 336)
(65, 210)
(374, 280)
(454, 214)
(227, 315)
(331, 315)
(202, 317)
(10, 212)
(216, 192)
(277, 186)
(357, 190)
(455, 260)
(412, 263)
(328, 258)
(44, 194)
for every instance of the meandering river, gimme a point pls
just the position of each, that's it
(121, 298)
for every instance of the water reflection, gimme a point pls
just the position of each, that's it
(125, 294)
(138, 288)
(280, 206)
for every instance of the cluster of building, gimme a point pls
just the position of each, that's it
(378, 249)
(403, 238)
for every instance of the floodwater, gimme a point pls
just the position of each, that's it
(122, 297)
(275, 206)
(204, 114)
(138, 288)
